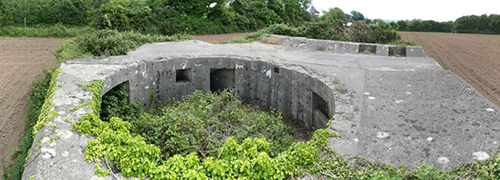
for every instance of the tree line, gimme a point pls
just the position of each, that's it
(158, 16)
(466, 24)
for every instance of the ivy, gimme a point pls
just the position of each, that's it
(47, 113)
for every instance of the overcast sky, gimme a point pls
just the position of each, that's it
(438, 10)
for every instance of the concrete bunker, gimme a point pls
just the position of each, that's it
(295, 94)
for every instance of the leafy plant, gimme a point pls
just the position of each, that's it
(108, 43)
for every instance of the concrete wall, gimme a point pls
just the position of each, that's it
(297, 91)
(343, 47)
(256, 82)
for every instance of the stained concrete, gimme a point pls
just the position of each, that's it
(397, 110)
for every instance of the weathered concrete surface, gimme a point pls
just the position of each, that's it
(343, 47)
(398, 110)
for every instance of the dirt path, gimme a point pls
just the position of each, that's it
(22, 61)
(220, 37)
(473, 57)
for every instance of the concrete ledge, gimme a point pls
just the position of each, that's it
(343, 47)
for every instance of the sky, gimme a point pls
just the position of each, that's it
(438, 10)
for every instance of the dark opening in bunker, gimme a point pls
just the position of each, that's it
(367, 49)
(183, 75)
(115, 100)
(320, 111)
(276, 70)
(398, 51)
(221, 79)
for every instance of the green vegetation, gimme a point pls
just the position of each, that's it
(466, 24)
(404, 43)
(157, 16)
(201, 122)
(108, 43)
(337, 29)
(37, 94)
(56, 30)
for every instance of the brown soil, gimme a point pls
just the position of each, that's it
(220, 37)
(22, 61)
(473, 57)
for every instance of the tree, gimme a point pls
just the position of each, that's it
(402, 25)
(357, 16)
(494, 22)
(276, 6)
(334, 14)
(314, 12)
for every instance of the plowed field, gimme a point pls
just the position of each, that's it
(22, 61)
(473, 57)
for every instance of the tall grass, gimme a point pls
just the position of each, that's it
(55, 31)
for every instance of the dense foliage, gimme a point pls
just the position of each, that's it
(340, 29)
(158, 16)
(200, 123)
(37, 94)
(108, 43)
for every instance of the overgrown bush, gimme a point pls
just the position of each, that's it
(36, 99)
(337, 29)
(201, 122)
(108, 43)
(122, 15)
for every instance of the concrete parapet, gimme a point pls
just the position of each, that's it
(343, 47)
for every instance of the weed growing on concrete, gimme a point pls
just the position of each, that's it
(269, 40)
(320, 48)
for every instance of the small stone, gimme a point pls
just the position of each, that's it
(481, 155)
(371, 97)
(48, 153)
(356, 139)
(490, 110)
(408, 93)
(367, 93)
(430, 139)
(398, 101)
(443, 160)
(382, 135)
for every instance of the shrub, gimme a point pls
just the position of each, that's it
(284, 29)
(108, 43)
(122, 15)
(336, 29)
(200, 123)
